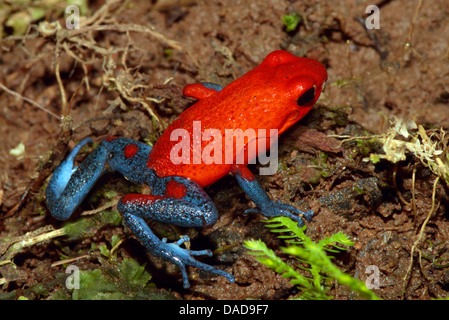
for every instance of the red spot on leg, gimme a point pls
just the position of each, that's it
(109, 139)
(244, 172)
(131, 150)
(175, 190)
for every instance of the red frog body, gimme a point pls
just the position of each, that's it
(264, 98)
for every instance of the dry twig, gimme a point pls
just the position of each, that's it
(418, 240)
(11, 92)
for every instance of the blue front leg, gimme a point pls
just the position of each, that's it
(264, 204)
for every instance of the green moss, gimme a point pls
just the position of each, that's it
(40, 290)
(120, 283)
(324, 170)
(127, 280)
(83, 227)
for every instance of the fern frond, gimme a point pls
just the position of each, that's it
(267, 257)
(288, 226)
(338, 237)
(312, 256)
(313, 253)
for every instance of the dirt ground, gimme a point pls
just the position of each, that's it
(122, 73)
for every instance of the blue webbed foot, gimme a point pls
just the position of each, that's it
(265, 205)
(182, 257)
(172, 252)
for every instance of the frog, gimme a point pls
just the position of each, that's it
(268, 100)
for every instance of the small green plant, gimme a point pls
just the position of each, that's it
(128, 280)
(124, 280)
(312, 259)
(291, 21)
(111, 254)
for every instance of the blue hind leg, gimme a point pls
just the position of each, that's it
(69, 185)
(169, 251)
(192, 208)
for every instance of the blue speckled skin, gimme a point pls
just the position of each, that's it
(69, 186)
(265, 205)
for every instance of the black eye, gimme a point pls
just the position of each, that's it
(307, 97)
